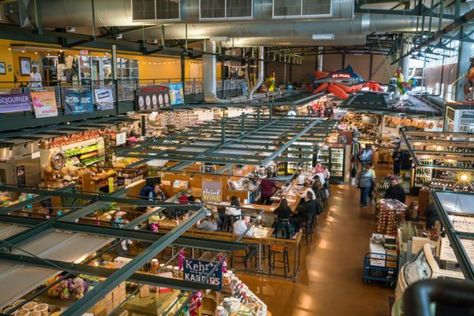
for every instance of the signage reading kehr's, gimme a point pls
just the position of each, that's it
(200, 271)
(153, 98)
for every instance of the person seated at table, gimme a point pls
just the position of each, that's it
(283, 211)
(152, 193)
(306, 209)
(183, 198)
(243, 227)
(234, 208)
(209, 223)
(306, 188)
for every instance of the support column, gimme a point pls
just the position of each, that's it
(319, 59)
(343, 61)
(371, 66)
(183, 70)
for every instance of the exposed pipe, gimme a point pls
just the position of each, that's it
(261, 71)
(209, 69)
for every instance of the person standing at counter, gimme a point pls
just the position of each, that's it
(397, 161)
(395, 191)
(365, 179)
(268, 188)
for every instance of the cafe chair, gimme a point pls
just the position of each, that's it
(282, 251)
(244, 259)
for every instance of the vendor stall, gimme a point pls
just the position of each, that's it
(440, 160)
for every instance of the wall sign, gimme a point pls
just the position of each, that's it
(197, 271)
(211, 191)
(120, 139)
(44, 103)
(104, 99)
(78, 102)
(17, 102)
(153, 97)
(176, 93)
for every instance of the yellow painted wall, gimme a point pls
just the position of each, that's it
(6, 57)
(149, 67)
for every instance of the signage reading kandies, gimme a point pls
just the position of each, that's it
(153, 98)
(200, 271)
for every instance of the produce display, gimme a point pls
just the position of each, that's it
(69, 289)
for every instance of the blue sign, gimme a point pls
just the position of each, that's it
(78, 102)
(176, 93)
(200, 271)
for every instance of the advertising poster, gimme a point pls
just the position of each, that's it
(17, 102)
(202, 271)
(104, 99)
(78, 102)
(176, 93)
(211, 191)
(153, 98)
(44, 103)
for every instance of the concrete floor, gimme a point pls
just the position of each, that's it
(330, 280)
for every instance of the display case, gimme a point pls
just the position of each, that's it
(335, 157)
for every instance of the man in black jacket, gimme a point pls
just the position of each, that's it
(395, 191)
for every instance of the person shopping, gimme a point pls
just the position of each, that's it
(395, 191)
(365, 180)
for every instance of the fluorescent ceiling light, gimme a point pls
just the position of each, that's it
(323, 37)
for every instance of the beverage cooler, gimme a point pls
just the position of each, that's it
(337, 158)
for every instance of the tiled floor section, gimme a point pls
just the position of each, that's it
(330, 281)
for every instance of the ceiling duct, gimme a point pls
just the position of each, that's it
(63, 13)
(209, 69)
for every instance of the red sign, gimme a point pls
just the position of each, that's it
(84, 52)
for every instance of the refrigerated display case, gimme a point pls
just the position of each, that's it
(336, 157)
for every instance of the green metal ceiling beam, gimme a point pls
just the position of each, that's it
(77, 269)
(288, 144)
(36, 199)
(116, 197)
(99, 291)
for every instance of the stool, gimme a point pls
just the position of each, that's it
(283, 228)
(307, 231)
(279, 250)
(246, 258)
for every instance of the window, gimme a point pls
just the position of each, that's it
(295, 8)
(143, 9)
(212, 9)
(156, 9)
(226, 9)
(239, 8)
(167, 9)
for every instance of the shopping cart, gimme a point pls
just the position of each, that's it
(380, 267)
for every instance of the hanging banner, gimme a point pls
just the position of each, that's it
(153, 97)
(211, 191)
(78, 102)
(44, 103)
(104, 98)
(16, 102)
(201, 271)
(20, 176)
(176, 93)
